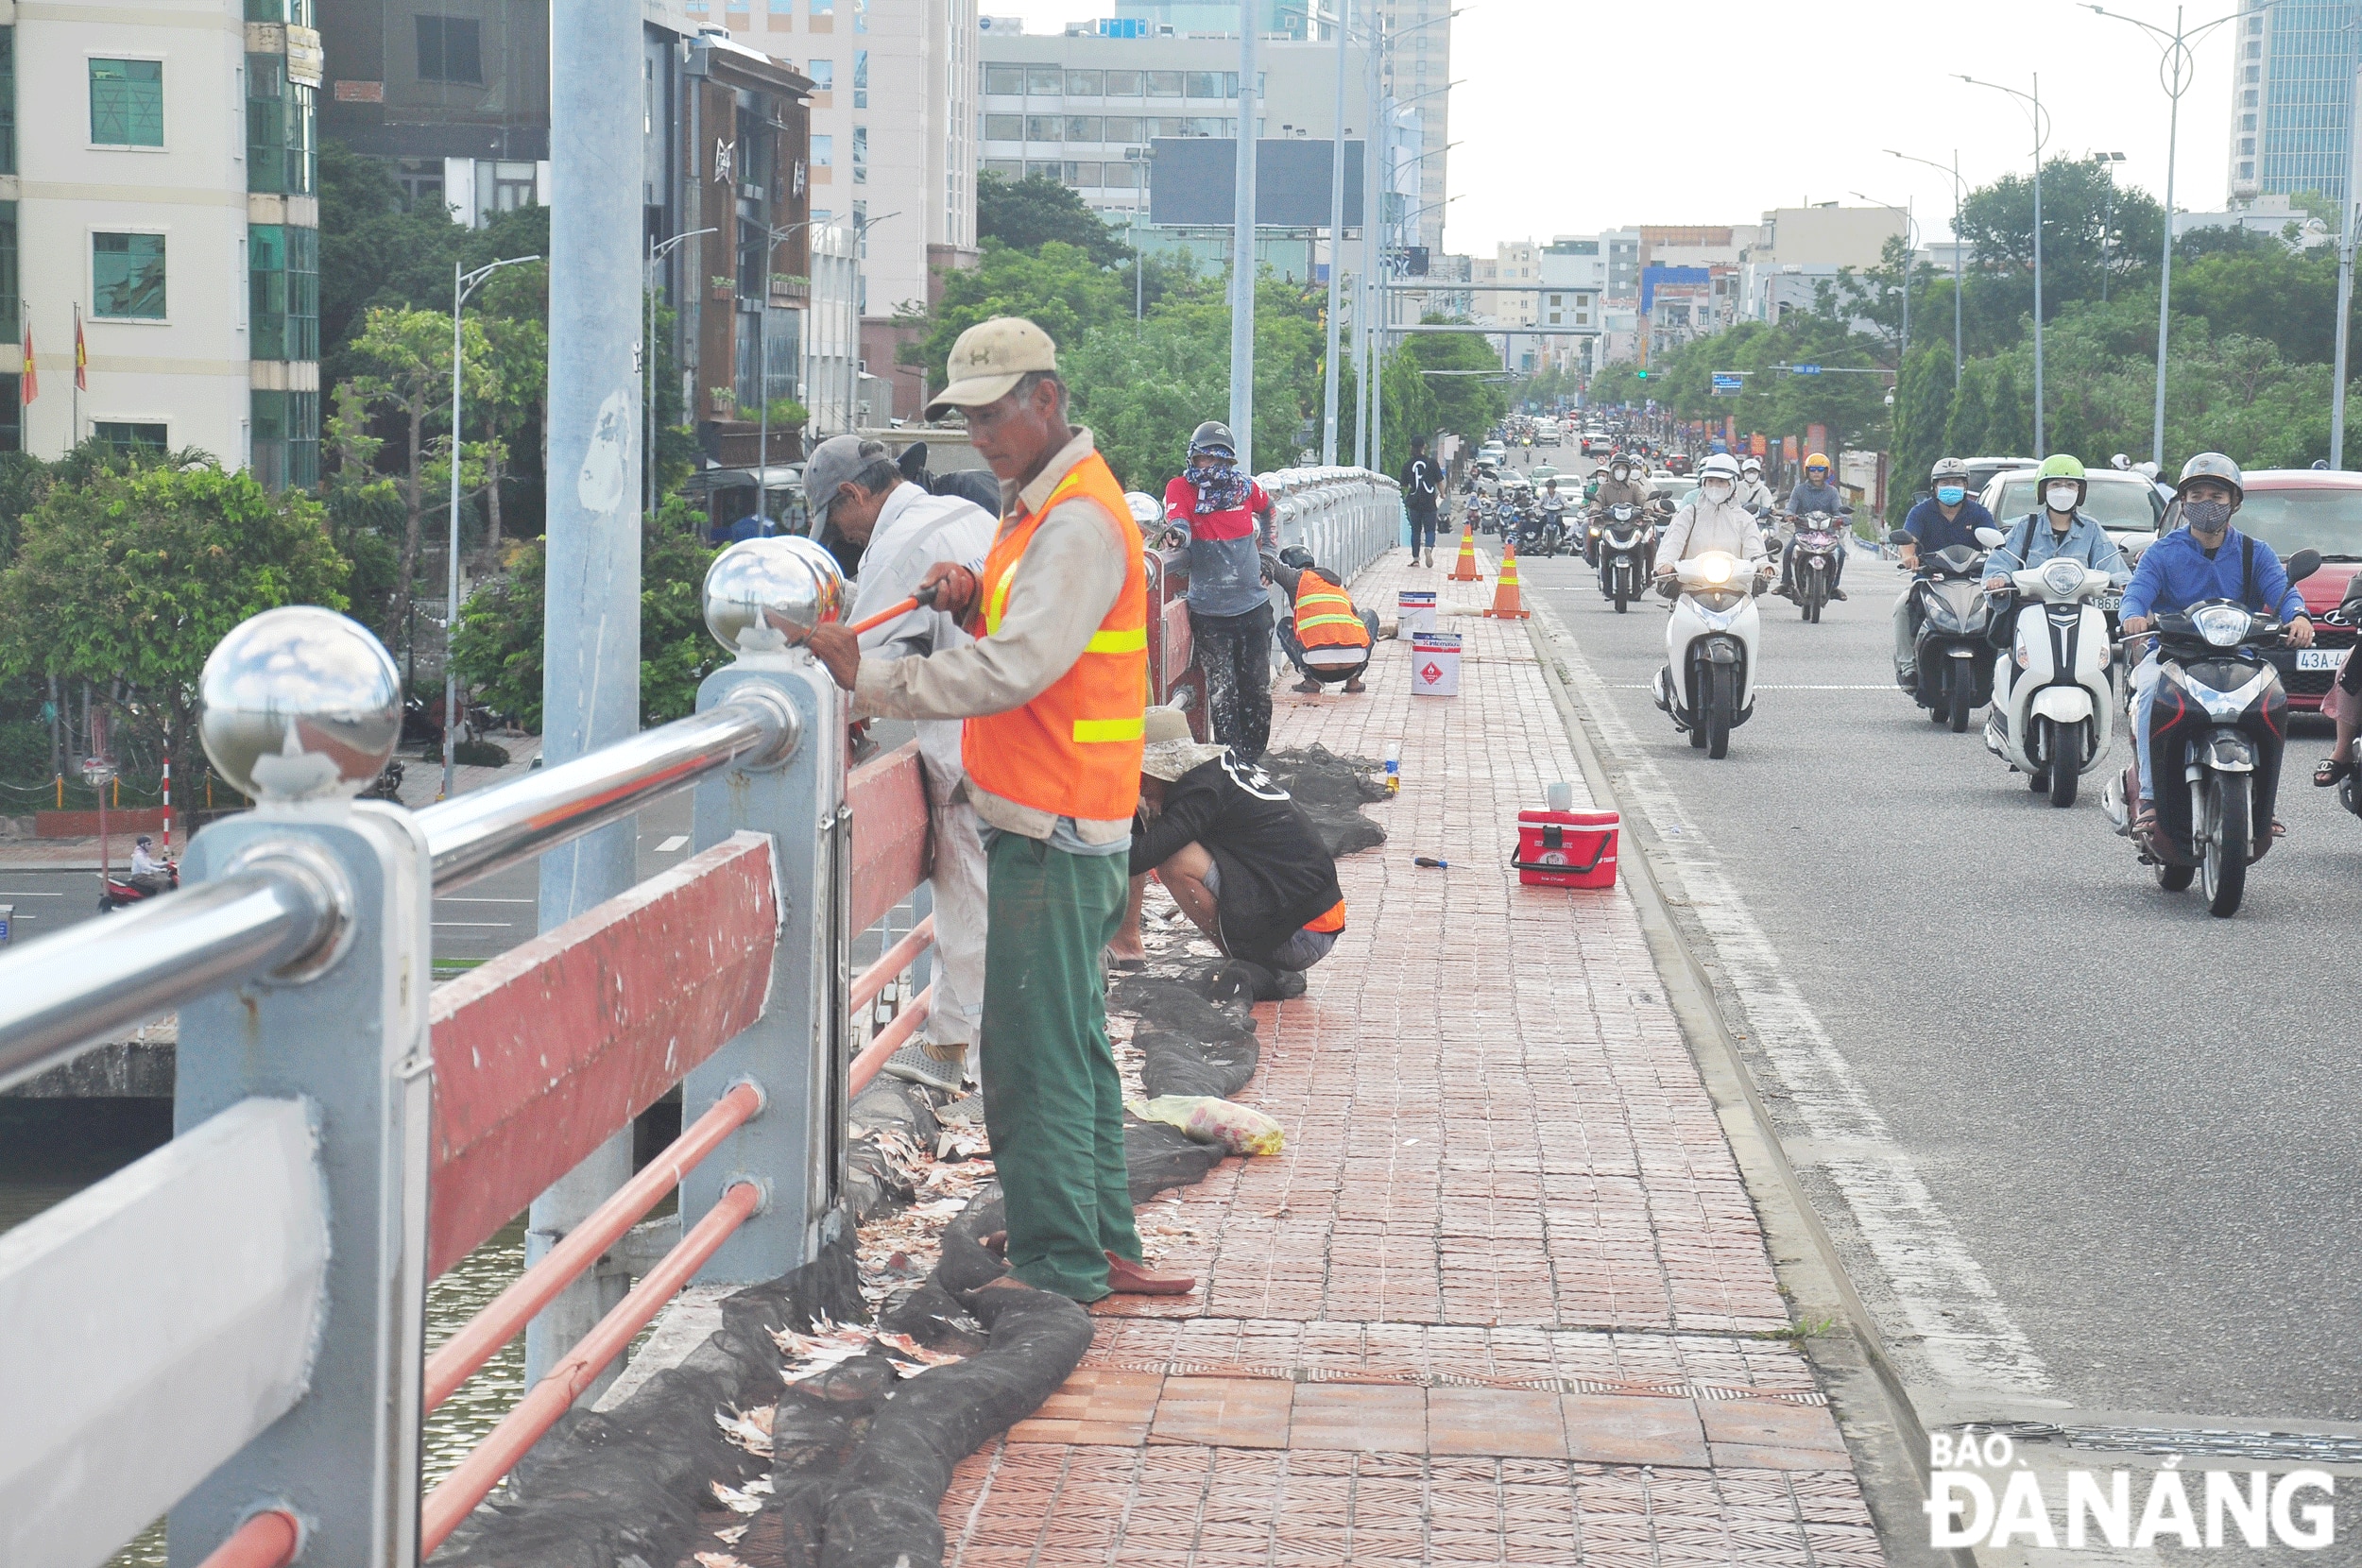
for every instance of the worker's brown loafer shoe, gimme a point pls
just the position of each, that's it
(1126, 1278)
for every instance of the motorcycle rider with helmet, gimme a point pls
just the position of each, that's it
(1813, 493)
(1229, 522)
(1623, 487)
(2204, 558)
(2057, 527)
(1949, 517)
(1710, 519)
(148, 873)
(1753, 494)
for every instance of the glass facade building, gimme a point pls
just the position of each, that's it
(2292, 97)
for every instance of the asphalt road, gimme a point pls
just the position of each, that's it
(2136, 1120)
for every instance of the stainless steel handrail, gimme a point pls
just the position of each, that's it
(489, 830)
(61, 994)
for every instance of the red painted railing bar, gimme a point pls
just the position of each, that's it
(269, 1540)
(871, 983)
(504, 1316)
(551, 1398)
(889, 1040)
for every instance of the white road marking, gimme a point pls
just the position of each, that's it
(472, 925)
(5, 892)
(487, 900)
(671, 843)
(1966, 1341)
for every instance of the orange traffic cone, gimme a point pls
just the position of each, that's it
(1465, 570)
(1506, 604)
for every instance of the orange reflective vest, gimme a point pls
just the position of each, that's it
(1073, 750)
(1324, 617)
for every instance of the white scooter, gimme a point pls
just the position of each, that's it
(2053, 714)
(1708, 682)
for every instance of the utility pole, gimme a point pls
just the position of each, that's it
(1336, 245)
(1373, 220)
(2041, 135)
(462, 285)
(591, 686)
(2345, 281)
(1242, 251)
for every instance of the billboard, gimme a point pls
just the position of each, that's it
(1192, 182)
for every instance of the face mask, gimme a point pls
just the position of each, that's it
(2061, 497)
(2206, 517)
(1716, 489)
(1951, 495)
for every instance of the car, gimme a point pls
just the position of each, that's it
(1598, 443)
(2123, 502)
(1493, 452)
(1674, 488)
(1981, 470)
(1542, 473)
(1677, 462)
(2293, 509)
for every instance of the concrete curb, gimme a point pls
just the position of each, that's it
(1882, 1426)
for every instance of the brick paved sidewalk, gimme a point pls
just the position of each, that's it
(1502, 1299)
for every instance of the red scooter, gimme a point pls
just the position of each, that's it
(117, 889)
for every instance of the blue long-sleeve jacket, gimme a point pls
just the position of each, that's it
(1934, 531)
(2176, 574)
(2085, 541)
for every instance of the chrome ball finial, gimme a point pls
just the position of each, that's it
(299, 702)
(767, 595)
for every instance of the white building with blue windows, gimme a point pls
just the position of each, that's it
(169, 202)
(2292, 97)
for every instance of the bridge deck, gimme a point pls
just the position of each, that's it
(1500, 1299)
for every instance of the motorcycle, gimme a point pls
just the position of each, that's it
(2053, 704)
(117, 889)
(1954, 647)
(1622, 551)
(1549, 531)
(2221, 736)
(1707, 685)
(1812, 568)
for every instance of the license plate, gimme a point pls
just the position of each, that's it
(2111, 600)
(2319, 658)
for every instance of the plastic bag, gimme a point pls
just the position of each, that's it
(1237, 1128)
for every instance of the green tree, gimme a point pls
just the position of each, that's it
(406, 375)
(1026, 215)
(2089, 226)
(133, 575)
(498, 651)
(1059, 287)
(1464, 378)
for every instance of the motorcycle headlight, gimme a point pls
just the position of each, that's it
(2061, 576)
(1941, 615)
(2224, 625)
(1716, 569)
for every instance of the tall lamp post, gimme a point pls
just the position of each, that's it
(2107, 160)
(2042, 136)
(462, 285)
(1957, 189)
(647, 353)
(1911, 246)
(1336, 241)
(2176, 70)
(2345, 281)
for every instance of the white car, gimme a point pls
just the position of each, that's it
(1492, 451)
(1598, 443)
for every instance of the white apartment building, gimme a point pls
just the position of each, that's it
(1517, 261)
(894, 154)
(167, 198)
(1415, 72)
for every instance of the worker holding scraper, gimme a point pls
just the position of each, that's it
(1050, 692)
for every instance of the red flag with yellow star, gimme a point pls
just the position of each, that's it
(30, 387)
(81, 354)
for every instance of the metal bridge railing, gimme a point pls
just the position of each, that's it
(233, 1327)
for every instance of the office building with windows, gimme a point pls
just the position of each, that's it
(169, 205)
(2292, 98)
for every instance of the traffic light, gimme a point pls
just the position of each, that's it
(1640, 375)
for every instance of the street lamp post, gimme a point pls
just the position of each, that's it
(2345, 283)
(2042, 136)
(2108, 216)
(1911, 245)
(1242, 250)
(2175, 71)
(1335, 243)
(462, 285)
(1957, 189)
(1374, 224)
(656, 253)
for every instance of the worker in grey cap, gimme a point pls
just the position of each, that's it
(904, 532)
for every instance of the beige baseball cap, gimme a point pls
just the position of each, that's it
(989, 358)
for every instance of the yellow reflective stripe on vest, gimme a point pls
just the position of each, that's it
(1310, 621)
(1133, 642)
(997, 604)
(1089, 731)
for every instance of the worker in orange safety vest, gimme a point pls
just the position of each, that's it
(1328, 639)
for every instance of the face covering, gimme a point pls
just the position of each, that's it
(1716, 489)
(1950, 495)
(2061, 497)
(2206, 517)
(1219, 487)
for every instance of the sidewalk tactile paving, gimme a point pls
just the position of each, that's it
(1501, 1298)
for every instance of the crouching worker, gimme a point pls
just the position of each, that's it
(1237, 853)
(1326, 639)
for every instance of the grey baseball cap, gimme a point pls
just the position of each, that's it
(832, 463)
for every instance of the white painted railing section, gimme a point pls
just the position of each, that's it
(152, 1325)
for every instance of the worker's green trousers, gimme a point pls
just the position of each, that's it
(1054, 1106)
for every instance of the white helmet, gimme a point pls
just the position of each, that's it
(1720, 466)
(1751, 465)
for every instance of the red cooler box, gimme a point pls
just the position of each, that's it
(1566, 849)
